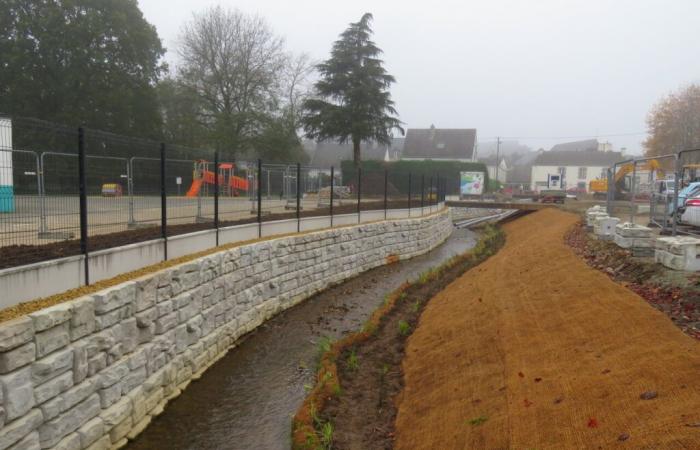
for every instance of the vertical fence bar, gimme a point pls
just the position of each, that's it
(386, 183)
(409, 194)
(163, 203)
(359, 191)
(298, 197)
(82, 184)
(331, 199)
(216, 195)
(437, 189)
(430, 194)
(422, 193)
(609, 192)
(259, 188)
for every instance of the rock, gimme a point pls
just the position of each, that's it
(649, 395)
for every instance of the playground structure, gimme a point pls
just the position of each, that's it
(229, 184)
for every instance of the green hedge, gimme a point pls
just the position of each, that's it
(398, 175)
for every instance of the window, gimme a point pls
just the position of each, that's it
(440, 145)
(582, 173)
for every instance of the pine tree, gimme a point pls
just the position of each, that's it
(352, 101)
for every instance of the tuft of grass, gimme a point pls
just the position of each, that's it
(327, 436)
(478, 420)
(324, 344)
(404, 328)
(416, 306)
(353, 362)
(403, 296)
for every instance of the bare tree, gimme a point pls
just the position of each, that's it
(674, 122)
(298, 87)
(234, 63)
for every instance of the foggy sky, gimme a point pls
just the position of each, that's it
(529, 69)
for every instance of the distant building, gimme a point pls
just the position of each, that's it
(503, 168)
(442, 144)
(325, 154)
(578, 168)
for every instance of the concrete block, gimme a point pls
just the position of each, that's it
(113, 373)
(104, 443)
(16, 332)
(82, 322)
(91, 432)
(115, 414)
(631, 230)
(52, 339)
(51, 316)
(17, 357)
(30, 442)
(70, 442)
(52, 366)
(53, 387)
(18, 431)
(605, 226)
(632, 242)
(52, 431)
(17, 393)
(115, 297)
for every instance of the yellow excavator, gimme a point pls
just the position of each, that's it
(599, 186)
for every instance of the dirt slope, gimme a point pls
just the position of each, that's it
(535, 350)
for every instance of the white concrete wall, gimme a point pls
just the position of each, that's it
(91, 373)
(539, 174)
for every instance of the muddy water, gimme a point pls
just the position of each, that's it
(247, 399)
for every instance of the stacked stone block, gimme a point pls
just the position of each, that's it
(636, 238)
(92, 373)
(678, 253)
(592, 214)
(604, 227)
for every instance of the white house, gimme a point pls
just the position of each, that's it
(503, 168)
(439, 144)
(578, 168)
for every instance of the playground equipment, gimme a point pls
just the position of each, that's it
(229, 183)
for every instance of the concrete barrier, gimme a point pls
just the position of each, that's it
(678, 253)
(91, 373)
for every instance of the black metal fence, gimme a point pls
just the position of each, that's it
(66, 191)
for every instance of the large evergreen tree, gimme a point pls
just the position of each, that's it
(91, 62)
(352, 100)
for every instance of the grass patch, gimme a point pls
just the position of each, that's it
(404, 328)
(478, 420)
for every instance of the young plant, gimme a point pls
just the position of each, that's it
(327, 435)
(353, 362)
(416, 306)
(478, 420)
(404, 328)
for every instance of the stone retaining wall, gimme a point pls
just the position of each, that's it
(92, 372)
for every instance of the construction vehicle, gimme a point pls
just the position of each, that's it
(599, 186)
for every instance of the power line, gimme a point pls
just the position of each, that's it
(493, 138)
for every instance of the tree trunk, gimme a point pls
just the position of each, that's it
(356, 152)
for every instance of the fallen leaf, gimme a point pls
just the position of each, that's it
(521, 375)
(558, 400)
(623, 437)
(605, 371)
(592, 423)
(527, 403)
(537, 380)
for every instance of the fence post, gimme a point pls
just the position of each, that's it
(331, 200)
(359, 192)
(130, 188)
(633, 190)
(676, 181)
(386, 181)
(409, 194)
(298, 197)
(437, 190)
(163, 203)
(259, 189)
(610, 187)
(216, 195)
(82, 184)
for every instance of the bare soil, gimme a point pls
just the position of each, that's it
(370, 373)
(536, 349)
(17, 255)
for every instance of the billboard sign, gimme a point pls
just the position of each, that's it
(471, 183)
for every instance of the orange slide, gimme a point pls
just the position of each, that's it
(235, 183)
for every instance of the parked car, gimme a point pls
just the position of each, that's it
(690, 213)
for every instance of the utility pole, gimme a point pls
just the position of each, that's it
(498, 150)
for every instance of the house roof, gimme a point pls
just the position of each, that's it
(577, 146)
(439, 143)
(571, 158)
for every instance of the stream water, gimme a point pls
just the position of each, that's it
(248, 398)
